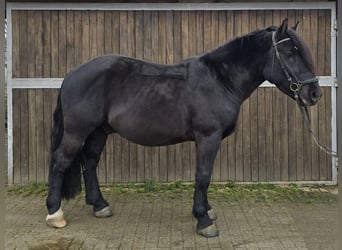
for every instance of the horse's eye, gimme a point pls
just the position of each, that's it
(288, 53)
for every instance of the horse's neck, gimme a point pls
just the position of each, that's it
(239, 68)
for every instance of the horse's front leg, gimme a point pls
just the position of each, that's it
(206, 150)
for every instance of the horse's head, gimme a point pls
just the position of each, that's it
(290, 66)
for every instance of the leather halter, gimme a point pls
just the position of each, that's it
(296, 85)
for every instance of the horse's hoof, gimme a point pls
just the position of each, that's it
(209, 232)
(103, 213)
(212, 215)
(56, 220)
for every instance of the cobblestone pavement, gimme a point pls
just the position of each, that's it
(143, 221)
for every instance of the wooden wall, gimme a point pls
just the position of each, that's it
(270, 143)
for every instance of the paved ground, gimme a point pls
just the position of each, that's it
(151, 221)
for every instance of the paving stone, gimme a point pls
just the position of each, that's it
(152, 222)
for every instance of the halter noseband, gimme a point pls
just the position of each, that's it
(296, 85)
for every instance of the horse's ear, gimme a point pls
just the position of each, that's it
(281, 31)
(296, 26)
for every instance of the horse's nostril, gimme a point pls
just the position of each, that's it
(316, 95)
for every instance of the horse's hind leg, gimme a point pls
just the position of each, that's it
(62, 160)
(90, 157)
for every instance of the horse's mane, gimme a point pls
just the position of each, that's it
(243, 47)
(246, 44)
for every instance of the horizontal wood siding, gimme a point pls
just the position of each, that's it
(270, 142)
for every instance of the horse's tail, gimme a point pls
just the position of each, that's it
(72, 177)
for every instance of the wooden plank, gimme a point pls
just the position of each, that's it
(321, 124)
(54, 44)
(47, 96)
(186, 146)
(192, 52)
(39, 60)
(92, 34)
(327, 61)
(253, 116)
(46, 43)
(276, 131)
(246, 126)
(85, 36)
(171, 150)
(31, 44)
(147, 17)
(62, 56)
(24, 136)
(207, 31)
(16, 36)
(78, 37)
(309, 155)
(23, 50)
(254, 136)
(299, 125)
(269, 134)
(132, 147)
(284, 127)
(155, 151)
(70, 41)
(231, 138)
(99, 26)
(238, 21)
(100, 29)
(40, 165)
(162, 44)
(214, 42)
(328, 129)
(124, 50)
(261, 134)
(32, 132)
(318, 111)
(139, 53)
(177, 55)
(292, 147)
(314, 109)
(32, 136)
(17, 164)
(117, 159)
(109, 149)
(223, 153)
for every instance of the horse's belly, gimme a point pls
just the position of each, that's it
(151, 130)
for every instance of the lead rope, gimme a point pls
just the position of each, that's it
(306, 118)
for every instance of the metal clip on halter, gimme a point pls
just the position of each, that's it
(295, 87)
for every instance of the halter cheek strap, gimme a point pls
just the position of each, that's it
(296, 85)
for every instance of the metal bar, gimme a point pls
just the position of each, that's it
(36, 83)
(171, 6)
(9, 98)
(47, 83)
(333, 95)
(2, 126)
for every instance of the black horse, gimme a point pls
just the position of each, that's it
(150, 104)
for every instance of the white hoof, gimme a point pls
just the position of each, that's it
(56, 220)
